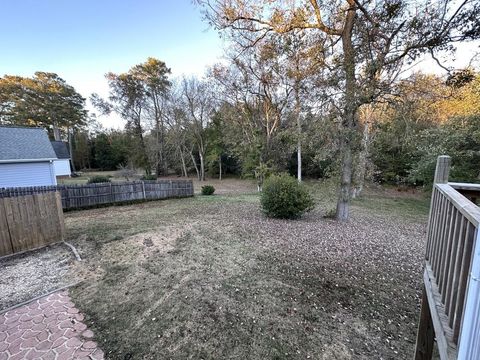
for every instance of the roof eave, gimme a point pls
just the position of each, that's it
(26, 160)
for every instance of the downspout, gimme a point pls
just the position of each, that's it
(52, 173)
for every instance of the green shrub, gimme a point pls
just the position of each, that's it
(283, 197)
(149, 177)
(208, 190)
(98, 179)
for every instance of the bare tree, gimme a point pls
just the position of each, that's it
(255, 85)
(177, 124)
(303, 60)
(199, 105)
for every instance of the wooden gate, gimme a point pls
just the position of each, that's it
(30, 222)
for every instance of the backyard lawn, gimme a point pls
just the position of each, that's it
(212, 278)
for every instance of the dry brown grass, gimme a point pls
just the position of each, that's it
(210, 277)
(219, 280)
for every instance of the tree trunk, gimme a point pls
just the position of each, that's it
(143, 157)
(349, 119)
(56, 133)
(202, 166)
(70, 149)
(162, 148)
(195, 165)
(343, 203)
(158, 152)
(361, 168)
(220, 167)
(299, 132)
(160, 166)
(184, 167)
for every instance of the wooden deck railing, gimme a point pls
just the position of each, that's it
(451, 239)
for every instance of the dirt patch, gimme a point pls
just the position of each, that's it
(139, 248)
(25, 276)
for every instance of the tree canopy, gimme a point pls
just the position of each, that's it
(43, 100)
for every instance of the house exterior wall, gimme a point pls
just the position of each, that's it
(27, 174)
(62, 167)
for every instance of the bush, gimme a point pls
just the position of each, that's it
(208, 190)
(457, 137)
(98, 179)
(149, 177)
(283, 197)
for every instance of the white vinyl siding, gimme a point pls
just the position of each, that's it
(27, 174)
(62, 167)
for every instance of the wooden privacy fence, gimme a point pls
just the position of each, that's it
(90, 195)
(30, 222)
(451, 294)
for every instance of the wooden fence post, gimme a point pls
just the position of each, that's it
(67, 197)
(143, 189)
(61, 220)
(6, 246)
(442, 170)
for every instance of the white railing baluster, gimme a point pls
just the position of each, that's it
(469, 346)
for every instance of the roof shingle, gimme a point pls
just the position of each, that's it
(61, 149)
(23, 143)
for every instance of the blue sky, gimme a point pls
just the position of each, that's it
(81, 40)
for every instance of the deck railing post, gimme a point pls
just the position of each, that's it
(442, 170)
(425, 332)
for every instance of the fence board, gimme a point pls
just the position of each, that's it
(58, 201)
(5, 243)
(30, 221)
(90, 195)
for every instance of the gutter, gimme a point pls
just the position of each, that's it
(9, 161)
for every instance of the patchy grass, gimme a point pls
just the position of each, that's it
(397, 206)
(211, 277)
(390, 201)
(84, 176)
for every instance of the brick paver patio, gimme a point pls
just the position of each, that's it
(49, 328)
